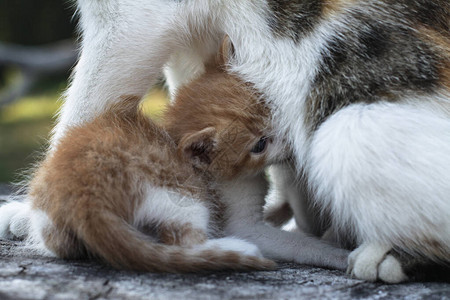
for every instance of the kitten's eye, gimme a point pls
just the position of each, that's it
(260, 146)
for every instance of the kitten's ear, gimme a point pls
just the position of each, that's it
(199, 147)
(226, 52)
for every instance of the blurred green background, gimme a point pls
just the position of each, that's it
(26, 122)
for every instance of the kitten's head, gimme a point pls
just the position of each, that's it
(221, 124)
(230, 150)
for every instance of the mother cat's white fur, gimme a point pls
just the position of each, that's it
(127, 43)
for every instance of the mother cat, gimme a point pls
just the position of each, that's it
(360, 88)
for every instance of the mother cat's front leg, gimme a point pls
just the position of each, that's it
(244, 199)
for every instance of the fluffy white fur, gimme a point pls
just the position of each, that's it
(395, 172)
(365, 162)
(164, 206)
(386, 181)
(14, 220)
(161, 205)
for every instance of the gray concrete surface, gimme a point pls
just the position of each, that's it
(26, 276)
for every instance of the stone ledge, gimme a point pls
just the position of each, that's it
(33, 277)
(24, 276)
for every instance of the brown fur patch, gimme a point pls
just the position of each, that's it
(441, 43)
(333, 7)
(435, 249)
(426, 248)
(279, 214)
(182, 235)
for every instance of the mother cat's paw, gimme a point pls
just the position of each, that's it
(390, 270)
(371, 262)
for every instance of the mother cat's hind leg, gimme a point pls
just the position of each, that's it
(372, 261)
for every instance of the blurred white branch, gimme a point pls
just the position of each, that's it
(34, 63)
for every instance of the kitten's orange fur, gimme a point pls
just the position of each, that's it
(228, 106)
(95, 185)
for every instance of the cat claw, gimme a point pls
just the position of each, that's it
(370, 262)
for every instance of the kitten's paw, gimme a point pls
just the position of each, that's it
(234, 244)
(364, 261)
(14, 220)
(390, 270)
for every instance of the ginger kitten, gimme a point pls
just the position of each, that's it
(139, 197)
